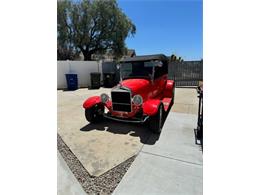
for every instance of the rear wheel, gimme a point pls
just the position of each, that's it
(95, 113)
(155, 123)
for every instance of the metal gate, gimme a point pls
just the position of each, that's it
(186, 73)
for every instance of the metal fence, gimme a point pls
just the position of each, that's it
(186, 73)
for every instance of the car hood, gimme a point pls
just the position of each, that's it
(137, 86)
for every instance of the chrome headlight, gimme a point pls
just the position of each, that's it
(137, 100)
(104, 98)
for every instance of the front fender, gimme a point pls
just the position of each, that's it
(150, 107)
(91, 102)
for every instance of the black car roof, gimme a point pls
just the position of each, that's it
(145, 58)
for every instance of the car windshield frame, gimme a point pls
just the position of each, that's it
(137, 69)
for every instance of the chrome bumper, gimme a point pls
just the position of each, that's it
(125, 120)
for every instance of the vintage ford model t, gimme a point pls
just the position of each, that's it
(143, 95)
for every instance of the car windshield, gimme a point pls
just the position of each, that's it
(136, 69)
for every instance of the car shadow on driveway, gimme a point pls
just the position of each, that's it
(135, 130)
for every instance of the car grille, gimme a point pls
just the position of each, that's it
(121, 100)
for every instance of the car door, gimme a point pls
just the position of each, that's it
(160, 79)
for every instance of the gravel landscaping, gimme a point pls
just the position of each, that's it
(104, 184)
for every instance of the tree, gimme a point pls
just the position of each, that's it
(93, 26)
(64, 53)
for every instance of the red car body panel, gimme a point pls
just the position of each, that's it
(142, 87)
(150, 107)
(168, 89)
(91, 102)
(136, 85)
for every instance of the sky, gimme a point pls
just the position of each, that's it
(166, 26)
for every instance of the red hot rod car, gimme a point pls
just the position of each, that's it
(144, 93)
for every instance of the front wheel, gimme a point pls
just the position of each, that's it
(155, 123)
(95, 113)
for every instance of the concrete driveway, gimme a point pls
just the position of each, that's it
(172, 166)
(100, 147)
(67, 183)
(186, 101)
